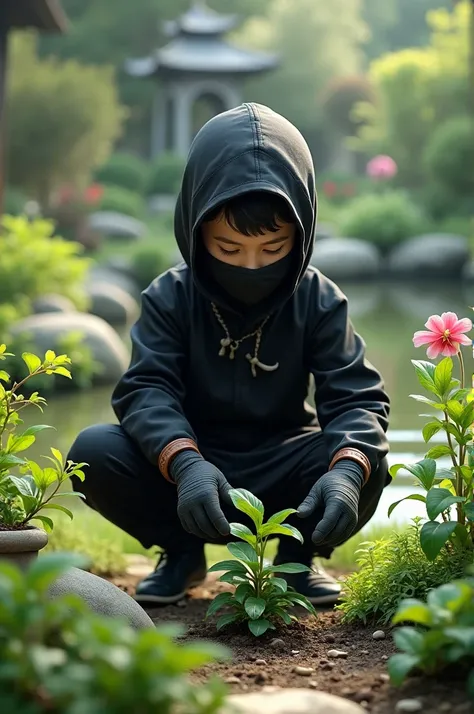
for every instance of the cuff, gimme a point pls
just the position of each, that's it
(353, 455)
(170, 451)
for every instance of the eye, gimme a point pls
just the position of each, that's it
(274, 252)
(228, 252)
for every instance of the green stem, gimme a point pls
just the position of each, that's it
(461, 367)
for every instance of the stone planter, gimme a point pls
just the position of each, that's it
(21, 547)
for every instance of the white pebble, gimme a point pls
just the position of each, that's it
(303, 671)
(408, 706)
(337, 654)
(261, 662)
(378, 635)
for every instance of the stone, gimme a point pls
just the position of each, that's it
(348, 258)
(116, 225)
(337, 654)
(329, 639)
(112, 303)
(430, 255)
(103, 597)
(107, 349)
(407, 706)
(303, 671)
(292, 701)
(378, 635)
(53, 303)
(21, 547)
(114, 276)
(384, 677)
(261, 662)
(277, 644)
(232, 680)
(364, 695)
(384, 658)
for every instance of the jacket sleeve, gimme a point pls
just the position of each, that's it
(148, 400)
(351, 402)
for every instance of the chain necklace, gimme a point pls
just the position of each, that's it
(227, 343)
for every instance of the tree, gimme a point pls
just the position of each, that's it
(63, 119)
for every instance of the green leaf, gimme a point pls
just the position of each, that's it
(274, 529)
(301, 600)
(425, 371)
(58, 456)
(254, 607)
(468, 509)
(425, 400)
(437, 451)
(450, 597)
(424, 471)
(400, 665)
(289, 568)
(243, 591)
(57, 507)
(230, 565)
(26, 486)
(243, 551)
(63, 372)
(15, 444)
(280, 584)
(434, 536)
(285, 616)
(409, 640)
(467, 416)
(443, 375)
(411, 497)
(281, 516)
(439, 500)
(33, 430)
(47, 523)
(411, 610)
(240, 531)
(430, 429)
(259, 627)
(248, 504)
(225, 620)
(454, 409)
(32, 361)
(233, 577)
(219, 601)
(4, 376)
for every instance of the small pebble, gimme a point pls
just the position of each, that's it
(347, 692)
(378, 635)
(353, 647)
(408, 706)
(365, 652)
(337, 654)
(303, 671)
(312, 684)
(277, 644)
(384, 658)
(252, 658)
(330, 639)
(261, 662)
(295, 652)
(232, 680)
(365, 695)
(181, 603)
(328, 665)
(384, 677)
(335, 678)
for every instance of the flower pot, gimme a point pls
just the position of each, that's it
(21, 547)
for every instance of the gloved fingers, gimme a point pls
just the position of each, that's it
(216, 516)
(310, 504)
(224, 488)
(343, 529)
(205, 524)
(330, 520)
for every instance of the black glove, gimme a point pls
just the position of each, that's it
(337, 493)
(200, 484)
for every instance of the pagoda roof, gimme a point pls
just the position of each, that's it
(201, 20)
(46, 15)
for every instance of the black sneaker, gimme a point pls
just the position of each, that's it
(317, 585)
(174, 574)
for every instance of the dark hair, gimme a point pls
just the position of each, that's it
(254, 213)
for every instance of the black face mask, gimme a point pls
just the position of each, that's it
(246, 285)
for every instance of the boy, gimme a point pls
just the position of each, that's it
(223, 351)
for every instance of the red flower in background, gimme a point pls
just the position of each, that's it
(93, 193)
(65, 194)
(329, 189)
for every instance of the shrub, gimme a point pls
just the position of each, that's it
(166, 174)
(382, 219)
(123, 201)
(339, 100)
(124, 170)
(14, 201)
(57, 656)
(444, 636)
(393, 569)
(449, 157)
(147, 263)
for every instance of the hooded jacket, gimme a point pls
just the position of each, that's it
(178, 385)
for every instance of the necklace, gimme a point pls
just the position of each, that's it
(228, 343)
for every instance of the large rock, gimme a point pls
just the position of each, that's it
(45, 332)
(112, 304)
(103, 597)
(100, 274)
(53, 303)
(292, 701)
(117, 225)
(346, 258)
(430, 255)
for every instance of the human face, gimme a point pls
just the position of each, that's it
(228, 245)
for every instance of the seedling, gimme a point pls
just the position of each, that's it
(261, 598)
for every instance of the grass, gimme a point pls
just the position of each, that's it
(105, 544)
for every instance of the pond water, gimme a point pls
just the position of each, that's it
(386, 316)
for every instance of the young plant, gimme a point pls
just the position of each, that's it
(25, 497)
(261, 599)
(444, 635)
(445, 487)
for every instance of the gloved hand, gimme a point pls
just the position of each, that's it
(200, 484)
(337, 493)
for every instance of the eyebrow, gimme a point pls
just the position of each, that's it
(229, 241)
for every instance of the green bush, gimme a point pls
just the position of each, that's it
(449, 157)
(57, 656)
(147, 263)
(393, 569)
(122, 200)
(382, 219)
(14, 202)
(124, 170)
(166, 174)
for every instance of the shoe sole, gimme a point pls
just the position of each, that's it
(165, 599)
(325, 600)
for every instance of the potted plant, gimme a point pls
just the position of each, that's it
(28, 491)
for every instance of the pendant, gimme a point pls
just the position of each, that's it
(225, 342)
(255, 362)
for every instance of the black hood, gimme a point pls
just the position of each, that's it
(249, 148)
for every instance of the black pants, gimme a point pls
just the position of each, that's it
(128, 491)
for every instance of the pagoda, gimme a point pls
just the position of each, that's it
(198, 67)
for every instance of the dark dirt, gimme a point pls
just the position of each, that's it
(259, 663)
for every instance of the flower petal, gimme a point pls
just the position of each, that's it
(450, 349)
(463, 325)
(436, 324)
(461, 339)
(424, 337)
(449, 320)
(435, 349)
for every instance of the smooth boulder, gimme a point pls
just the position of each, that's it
(112, 303)
(114, 276)
(46, 331)
(117, 225)
(346, 258)
(53, 303)
(430, 255)
(292, 701)
(103, 597)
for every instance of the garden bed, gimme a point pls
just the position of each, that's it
(270, 662)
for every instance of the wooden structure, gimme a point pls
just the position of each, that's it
(45, 16)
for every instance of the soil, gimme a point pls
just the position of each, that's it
(262, 663)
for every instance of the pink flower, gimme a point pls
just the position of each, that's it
(445, 335)
(381, 167)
